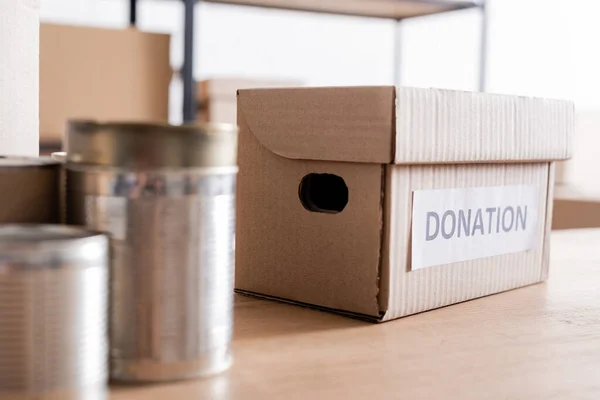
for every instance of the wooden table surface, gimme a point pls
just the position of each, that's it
(538, 342)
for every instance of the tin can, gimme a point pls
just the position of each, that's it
(61, 157)
(33, 185)
(53, 313)
(166, 195)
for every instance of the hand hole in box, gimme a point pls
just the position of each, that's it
(324, 193)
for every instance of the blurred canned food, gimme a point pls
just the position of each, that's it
(53, 313)
(166, 195)
(61, 157)
(33, 184)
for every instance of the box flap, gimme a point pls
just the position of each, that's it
(408, 125)
(443, 126)
(352, 124)
(286, 249)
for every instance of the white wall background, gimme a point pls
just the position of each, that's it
(537, 47)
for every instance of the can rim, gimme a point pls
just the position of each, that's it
(59, 156)
(205, 127)
(25, 247)
(151, 145)
(11, 234)
(27, 162)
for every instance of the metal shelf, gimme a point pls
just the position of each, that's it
(397, 10)
(390, 9)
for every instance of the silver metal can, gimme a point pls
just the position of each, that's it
(61, 157)
(53, 313)
(167, 196)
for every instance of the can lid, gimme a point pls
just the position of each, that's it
(26, 162)
(145, 145)
(22, 233)
(39, 245)
(59, 156)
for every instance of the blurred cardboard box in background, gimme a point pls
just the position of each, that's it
(577, 195)
(105, 74)
(217, 100)
(575, 208)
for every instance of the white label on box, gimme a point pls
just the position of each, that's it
(453, 225)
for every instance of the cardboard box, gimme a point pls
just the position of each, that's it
(217, 99)
(34, 188)
(576, 207)
(103, 74)
(577, 195)
(356, 200)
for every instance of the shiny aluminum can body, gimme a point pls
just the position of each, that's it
(172, 242)
(53, 313)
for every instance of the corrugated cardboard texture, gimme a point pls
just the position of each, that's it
(103, 74)
(393, 9)
(437, 126)
(548, 227)
(356, 261)
(284, 250)
(411, 292)
(334, 124)
(31, 194)
(218, 97)
(432, 126)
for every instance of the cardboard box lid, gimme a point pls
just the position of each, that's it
(407, 125)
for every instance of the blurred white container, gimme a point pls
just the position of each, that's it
(19, 77)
